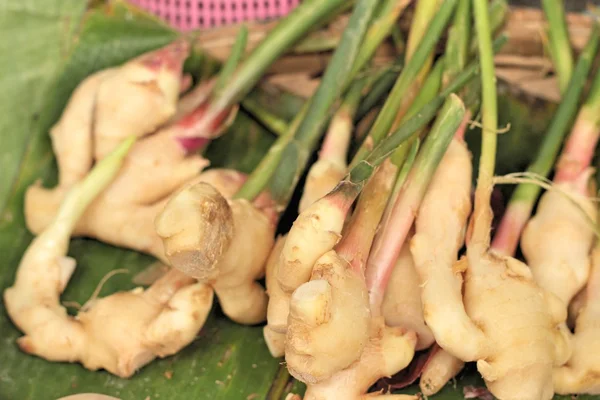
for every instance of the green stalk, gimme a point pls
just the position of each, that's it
(457, 46)
(525, 195)
(482, 212)
(380, 28)
(497, 10)
(560, 46)
(391, 239)
(427, 113)
(271, 121)
(428, 92)
(388, 113)
(288, 31)
(237, 51)
(424, 12)
(295, 147)
(382, 86)
(84, 192)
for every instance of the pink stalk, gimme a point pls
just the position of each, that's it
(579, 149)
(506, 238)
(357, 240)
(392, 235)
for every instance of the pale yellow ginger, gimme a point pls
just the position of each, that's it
(315, 232)
(224, 243)
(158, 164)
(119, 333)
(581, 373)
(402, 300)
(275, 340)
(498, 317)
(440, 229)
(138, 97)
(323, 175)
(319, 342)
(517, 357)
(557, 241)
(441, 366)
(388, 351)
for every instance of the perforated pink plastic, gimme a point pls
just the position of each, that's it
(193, 14)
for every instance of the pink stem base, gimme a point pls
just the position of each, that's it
(578, 151)
(509, 231)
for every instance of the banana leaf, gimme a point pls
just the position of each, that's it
(48, 47)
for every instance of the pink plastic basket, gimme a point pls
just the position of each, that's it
(193, 14)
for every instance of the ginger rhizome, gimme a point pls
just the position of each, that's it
(119, 333)
(157, 165)
(581, 373)
(221, 242)
(508, 324)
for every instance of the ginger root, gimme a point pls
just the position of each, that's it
(581, 373)
(438, 370)
(224, 243)
(402, 300)
(318, 341)
(119, 333)
(557, 241)
(388, 351)
(158, 165)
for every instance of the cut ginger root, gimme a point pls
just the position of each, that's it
(223, 243)
(159, 163)
(581, 373)
(119, 333)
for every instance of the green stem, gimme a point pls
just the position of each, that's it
(388, 113)
(297, 145)
(550, 147)
(424, 12)
(457, 46)
(380, 28)
(497, 10)
(83, 193)
(428, 92)
(382, 86)
(288, 31)
(524, 197)
(237, 51)
(562, 56)
(481, 227)
(271, 121)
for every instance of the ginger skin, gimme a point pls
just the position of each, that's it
(402, 300)
(439, 369)
(581, 373)
(516, 359)
(557, 241)
(335, 298)
(388, 351)
(223, 243)
(158, 165)
(119, 333)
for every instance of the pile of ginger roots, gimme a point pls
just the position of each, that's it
(477, 307)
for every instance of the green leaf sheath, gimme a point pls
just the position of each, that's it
(560, 45)
(288, 31)
(559, 126)
(457, 46)
(388, 113)
(237, 52)
(489, 133)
